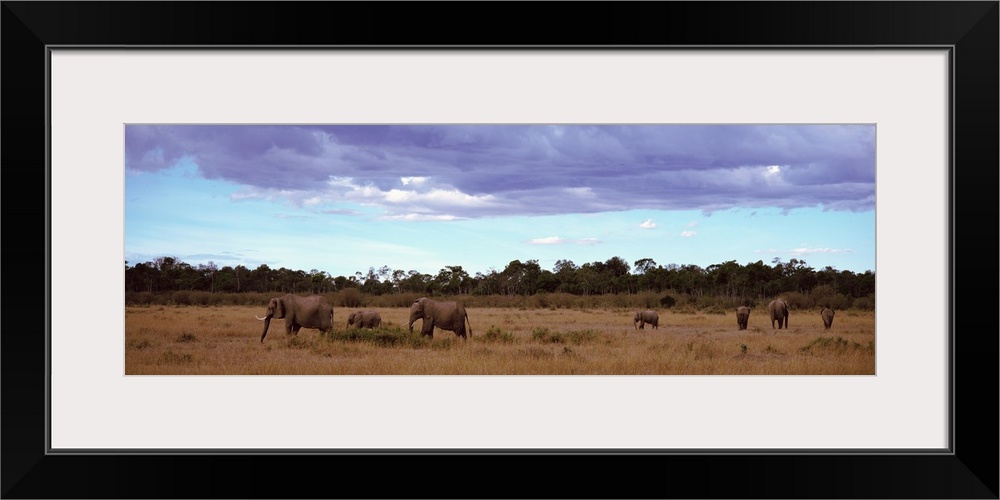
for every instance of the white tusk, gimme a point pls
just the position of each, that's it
(259, 319)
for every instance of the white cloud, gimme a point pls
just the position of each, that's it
(399, 196)
(648, 224)
(456, 197)
(693, 223)
(806, 251)
(341, 181)
(772, 175)
(550, 240)
(413, 180)
(688, 234)
(555, 240)
(418, 217)
(434, 200)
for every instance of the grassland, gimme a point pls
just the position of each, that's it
(225, 340)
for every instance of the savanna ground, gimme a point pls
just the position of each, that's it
(225, 340)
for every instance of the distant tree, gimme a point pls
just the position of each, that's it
(643, 266)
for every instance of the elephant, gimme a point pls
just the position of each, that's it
(365, 319)
(648, 316)
(449, 316)
(779, 312)
(311, 311)
(742, 315)
(827, 314)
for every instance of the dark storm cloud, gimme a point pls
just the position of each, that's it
(481, 170)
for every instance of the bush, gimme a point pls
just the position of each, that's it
(139, 298)
(204, 298)
(715, 310)
(495, 334)
(822, 295)
(838, 344)
(668, 301)
(839, 302)
(864, 303)
(379, 337)
(797, 300)
(349, 297)
(181, 297)
(546, 336)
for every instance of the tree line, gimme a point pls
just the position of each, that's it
(751, 281)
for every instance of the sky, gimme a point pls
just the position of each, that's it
(346, 198)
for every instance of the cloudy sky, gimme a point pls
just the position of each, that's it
(342, 198)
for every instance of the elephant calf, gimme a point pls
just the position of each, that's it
(364, 319)
(648, 316)
(742, 316)
(827, 315)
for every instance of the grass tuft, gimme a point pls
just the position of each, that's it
(495, 334)
(836, 345)
(172, 358)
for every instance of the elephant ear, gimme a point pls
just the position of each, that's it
(279, 311)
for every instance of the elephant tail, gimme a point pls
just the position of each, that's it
(470, 324)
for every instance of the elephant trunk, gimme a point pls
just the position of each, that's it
(415, 313)
(267, 323)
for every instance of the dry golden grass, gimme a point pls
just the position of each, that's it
(225, 340)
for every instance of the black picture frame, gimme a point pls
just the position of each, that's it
(969, 28)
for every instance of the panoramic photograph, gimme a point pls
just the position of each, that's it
(499, 249)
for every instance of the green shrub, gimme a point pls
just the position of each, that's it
(542, 334)
(495, 334)
(577, 337)
(581, 336)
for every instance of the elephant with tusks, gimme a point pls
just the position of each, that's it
(364, 319)
(446, 315)
(312, 311)
(641, 318)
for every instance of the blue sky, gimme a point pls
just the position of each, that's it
(342, 199)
